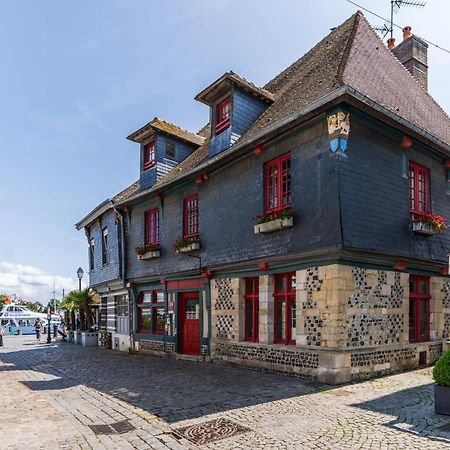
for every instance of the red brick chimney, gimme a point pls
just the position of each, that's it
(391, 43)
(406, 32)
(412, 52)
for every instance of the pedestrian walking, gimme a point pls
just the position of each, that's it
(37, 328)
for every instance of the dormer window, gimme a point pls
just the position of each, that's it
(149, 155)
(223, 115)
(170, 150)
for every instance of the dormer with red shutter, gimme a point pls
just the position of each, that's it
(163, 146)
(235, 104)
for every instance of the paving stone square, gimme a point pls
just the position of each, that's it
(53, 394)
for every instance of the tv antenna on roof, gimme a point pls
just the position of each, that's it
(395, 7)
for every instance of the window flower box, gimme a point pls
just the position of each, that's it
(423, 228)
(274, 221)
(149, 255)
(148, 251)
(187, 245)
(428, 224)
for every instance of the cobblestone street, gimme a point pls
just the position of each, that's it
(50, 394)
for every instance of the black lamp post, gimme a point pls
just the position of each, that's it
(80, 273)
(49, 318)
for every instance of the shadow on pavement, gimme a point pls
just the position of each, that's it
(171, 389)
(415, 411)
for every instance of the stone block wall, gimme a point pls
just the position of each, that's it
(280, 359)
(377, 308)
(225, 306)
(156, 347)
(320, 306)
(351, 323)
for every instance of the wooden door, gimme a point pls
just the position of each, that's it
(189, 314)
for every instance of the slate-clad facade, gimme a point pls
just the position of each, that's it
(291, 233)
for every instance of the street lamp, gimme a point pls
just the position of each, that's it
(49, 318)
(80, 273)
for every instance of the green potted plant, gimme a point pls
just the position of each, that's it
(148, 251)
(186, 245)
(441, 376)
(266, 223)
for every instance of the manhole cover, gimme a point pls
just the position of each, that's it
(213, 430)
(113, 428)
(122, 427)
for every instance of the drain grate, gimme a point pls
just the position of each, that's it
(213, 430)
(113, 428)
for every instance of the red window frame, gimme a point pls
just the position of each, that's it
(152, 306)
(419, 297)
(419, 189)
(251, 309)
(223, 115)
(190, 217)
(277, 191)
(151, 227)
(286, 296)
(149, 155)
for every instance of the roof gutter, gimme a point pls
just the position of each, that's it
(97, 212)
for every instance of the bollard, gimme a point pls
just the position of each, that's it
(55, 331)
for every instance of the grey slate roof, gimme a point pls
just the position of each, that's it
(351, 58)
(165, 127)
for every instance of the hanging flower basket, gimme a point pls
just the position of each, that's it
(186, 245)
(148, 251)
(267, 223)
(428, 224)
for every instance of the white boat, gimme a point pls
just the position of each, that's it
(18, 318)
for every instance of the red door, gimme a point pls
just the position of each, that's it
(189, 311)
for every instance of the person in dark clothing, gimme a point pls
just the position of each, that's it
(37, 328)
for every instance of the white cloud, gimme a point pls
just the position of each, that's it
(32, 283)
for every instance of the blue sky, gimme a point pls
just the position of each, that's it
(77, 77)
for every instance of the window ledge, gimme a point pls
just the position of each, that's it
(274, 225)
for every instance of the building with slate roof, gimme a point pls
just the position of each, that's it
(301, 230)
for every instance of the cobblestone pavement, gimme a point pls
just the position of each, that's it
(50, 394)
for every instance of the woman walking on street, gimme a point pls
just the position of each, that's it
(37, 328)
